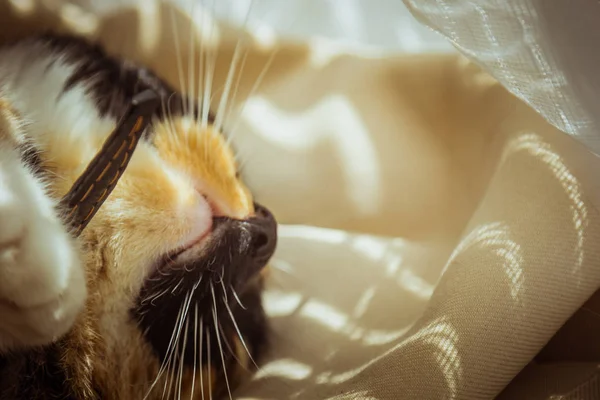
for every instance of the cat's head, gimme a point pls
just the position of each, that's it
(174, 257)
(174, 261)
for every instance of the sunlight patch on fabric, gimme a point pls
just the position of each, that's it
(150, 25)
(325, 315)
(79, 20)
(535, 146)
(362, 305)
(280, 304)
(497, 238)
(285, 368)
(329, 236)
(23, 7)
(346, 132)
(203, 21)
(438, 334)
(415, 284)
(265, 37)
(370, 247)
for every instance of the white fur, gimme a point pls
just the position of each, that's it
(42, 284)
(34, 79)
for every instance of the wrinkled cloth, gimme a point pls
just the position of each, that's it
(436, 230)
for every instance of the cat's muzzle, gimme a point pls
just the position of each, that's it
(249, 244)
(211, 283)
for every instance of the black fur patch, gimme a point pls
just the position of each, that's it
(32, 158)
(35, 374)
(111, 81)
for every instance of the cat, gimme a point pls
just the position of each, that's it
(160, 296)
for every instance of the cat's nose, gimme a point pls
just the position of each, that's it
(263, 227)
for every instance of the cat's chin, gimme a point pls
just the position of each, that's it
(202, 286)
(187, 252)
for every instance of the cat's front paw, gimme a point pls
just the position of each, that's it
(42, 282)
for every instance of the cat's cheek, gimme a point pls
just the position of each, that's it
(198, 223)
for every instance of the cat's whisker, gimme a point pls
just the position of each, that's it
(191, 61)
(224, 291)
(220, 346)
(176, 286)
(166, 380)
(210, 396)
(174, 341)
(152, 298)
(178, 59)
(175, 351)
(237, 298)
(165, 362)
(187, 302)
(198, 283)
(229, 346)
(210, 60)
(239, 333)
(181, 365)
(168, 370)
(200, 356)
(220, 114)
(191, 267)
(252, 92)
(222, 276)
(163, 106)
(216, 92)
(195, 350)
(172, 374)
(236, 88)
(200, 70)
(170, 120)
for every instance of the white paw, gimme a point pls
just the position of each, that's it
(42, 282)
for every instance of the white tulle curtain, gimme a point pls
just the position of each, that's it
(545, 52)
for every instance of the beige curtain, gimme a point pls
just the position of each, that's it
(437, 230)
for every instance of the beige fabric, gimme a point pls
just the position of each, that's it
(477, 221)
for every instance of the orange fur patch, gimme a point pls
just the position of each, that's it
(205, 154)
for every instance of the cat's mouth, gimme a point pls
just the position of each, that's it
(257, 235)
(203, 285)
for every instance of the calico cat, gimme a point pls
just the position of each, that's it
(160, 296)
